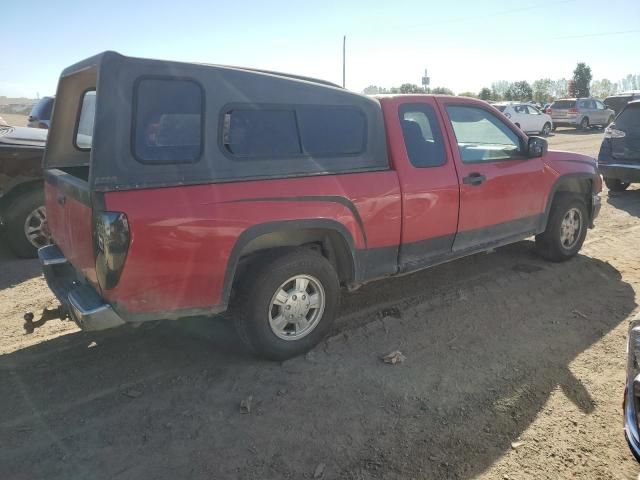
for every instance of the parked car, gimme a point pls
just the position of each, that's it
(40, 116)
(295, 188)
(619, 157)
(617, 102)
(581, 113)
(631, 403)
(527, 117)
(22, 211)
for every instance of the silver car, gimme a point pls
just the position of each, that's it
(580, 113)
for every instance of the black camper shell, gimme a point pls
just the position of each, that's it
(126, 123)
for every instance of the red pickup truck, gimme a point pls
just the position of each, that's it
(177, 189)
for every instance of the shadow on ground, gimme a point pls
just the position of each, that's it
(484, 350)
(14, 270)
(629, 201)
(577, 132)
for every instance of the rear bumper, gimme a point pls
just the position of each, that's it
(621, 171)
(81, 301)
(565, 122)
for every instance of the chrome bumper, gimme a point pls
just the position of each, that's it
(82, 302)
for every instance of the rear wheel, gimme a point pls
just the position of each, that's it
(546, 129)
(616, 185)
(566, 228)
(286, 304)
(27, 228)
(584, 123)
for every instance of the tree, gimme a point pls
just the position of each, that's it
(485, 94)
(500, 89)
(372, 90)
(603, 88)
(410, 88)
(560, 88)
(542, 90)
(630, 82)
(468, 94)
(441, 91)
(582, 76)
(519, 91)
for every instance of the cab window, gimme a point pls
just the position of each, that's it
(422, 135)
(481, 136)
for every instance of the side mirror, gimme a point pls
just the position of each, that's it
(537, 147)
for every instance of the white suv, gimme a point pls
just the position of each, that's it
(527, 117)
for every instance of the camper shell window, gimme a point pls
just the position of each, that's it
(168, 121)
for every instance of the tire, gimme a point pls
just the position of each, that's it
(256, 310)
(546, 129)
(28, 206)
(616, 185)
(551, 244)
(584, 123)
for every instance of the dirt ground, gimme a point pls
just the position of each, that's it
(15, 119)
(514, 370)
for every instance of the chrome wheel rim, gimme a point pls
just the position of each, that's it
(546, 130)
(570, 228)
(296, 307)
(36, 229)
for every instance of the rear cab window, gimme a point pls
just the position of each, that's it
(168, 121)
(422, 136)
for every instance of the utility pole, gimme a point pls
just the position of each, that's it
(344, 61)
(426, 81)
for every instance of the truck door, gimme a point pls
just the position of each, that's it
(425, 166)
(501, 189)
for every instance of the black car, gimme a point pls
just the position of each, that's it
(40, 116)
(618, 101)
(619, 157)
(22, 212)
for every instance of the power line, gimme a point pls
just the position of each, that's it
(602, 34)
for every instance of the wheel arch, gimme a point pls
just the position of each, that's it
(330, 238)
(578, 183)
(18, 190)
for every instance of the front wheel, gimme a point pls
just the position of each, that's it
(546, 130)
(616, 185)
(286, 304)
(566, 228)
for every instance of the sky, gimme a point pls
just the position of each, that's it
(464, 44)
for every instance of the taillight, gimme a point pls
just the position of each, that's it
(573, 110)
(43, 125)
(612, 132)
(111, 243)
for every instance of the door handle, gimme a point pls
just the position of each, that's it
(61, 199)
(474, 179)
